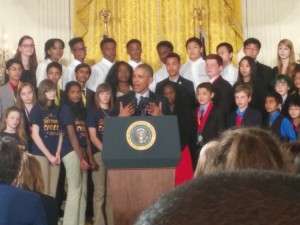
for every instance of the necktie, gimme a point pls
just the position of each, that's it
(83, 92)
(270, 121)
(239, 120)
(201, 114)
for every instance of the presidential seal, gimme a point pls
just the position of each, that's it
(141, 135)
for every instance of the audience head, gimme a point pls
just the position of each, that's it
(245, 148)
(239, 197)
(169, 91)
(296, 79)
(82, 73)
(225, 50)
(282, 84)
(30, 176)
(54, 49)
(194, 48)
(163, 49)
(13, 69)
(214, 65)
(134, 49)
(142, 78)
(285, 50)
(108, 48)
(173, 64)
(104, 95)
(54, 72)
(273, 102)
(206, 158)
(26, 48)
(293, 154)
(252, 47)
(78, 48)
(10, 160)
(204, 93)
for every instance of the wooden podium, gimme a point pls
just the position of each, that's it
(141, 154)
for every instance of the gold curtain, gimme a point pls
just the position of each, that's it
(152, 21)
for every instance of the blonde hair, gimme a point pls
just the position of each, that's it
(30, 176)
(19, 102)
(103, 88)
(20, 128)
(292, 63)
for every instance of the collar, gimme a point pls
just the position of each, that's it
(133, 63)
(12, 85)
(241, 111)
(274, 115)
(145, 95)
(175, 80)
(198, 61)
(204, 107)
(107, 62)
(214, 79)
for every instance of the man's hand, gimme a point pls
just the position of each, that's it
(154, 110)
(128, 110)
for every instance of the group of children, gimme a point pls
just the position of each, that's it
(63, 120)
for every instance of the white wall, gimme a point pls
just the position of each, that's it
(41, 19)
(270, 21)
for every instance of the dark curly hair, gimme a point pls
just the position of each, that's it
(112, 76)
(10, 160)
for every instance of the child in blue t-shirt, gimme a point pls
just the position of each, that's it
(95, 123)
(46, 135)
(294, 111)
(75, 145)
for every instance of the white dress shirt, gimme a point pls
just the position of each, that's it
(160, 75)
(41, 72)
(69, 73)
(230, 73)
(99, 73)
(134, 64)
(194, 71)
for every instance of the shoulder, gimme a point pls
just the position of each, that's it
(4, 87)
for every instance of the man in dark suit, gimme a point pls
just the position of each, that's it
(17, 206)
(184, 87)
(142, 101)
(223, 90)
(264, 73)
(82, 74)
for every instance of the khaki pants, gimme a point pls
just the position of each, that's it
(50, 175)
(77, 189)
(102, 197)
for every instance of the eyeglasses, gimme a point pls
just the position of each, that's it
(28, 46)
(79, 49)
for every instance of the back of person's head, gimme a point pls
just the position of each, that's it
(276, 96)
(165, 44)
(244, 88)
(293, 154)
(30, 176)
(250, 147)
(206, 158)
(10, 160)
(238, 198)
(252, 41)
(226, 45)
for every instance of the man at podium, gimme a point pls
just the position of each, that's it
(142, 101)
